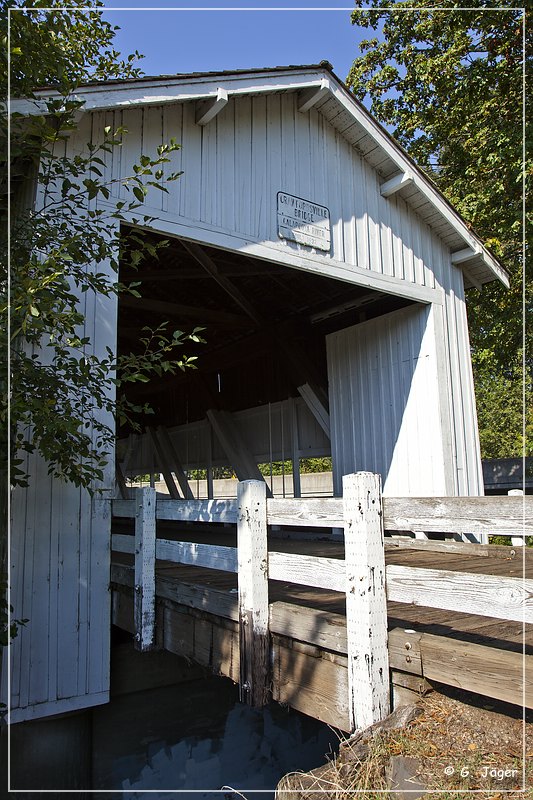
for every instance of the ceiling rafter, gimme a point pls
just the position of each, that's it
(236, 295)
(200, 315)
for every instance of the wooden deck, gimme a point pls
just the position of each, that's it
(197, 617)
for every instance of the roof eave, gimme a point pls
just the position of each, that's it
(203, 86)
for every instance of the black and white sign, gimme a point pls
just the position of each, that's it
(303, 221)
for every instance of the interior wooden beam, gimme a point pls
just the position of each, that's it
(181, 274)
(211, 268)
(315, 403)
(347, 305)
(200, 315)
(174, 461)
(163, 464)
(170, 274)
(236, 449)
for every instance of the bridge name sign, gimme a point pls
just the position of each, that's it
(303, 221)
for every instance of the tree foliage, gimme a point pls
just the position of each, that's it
(66, 246)
(500, 433)
(449, 85)
(59, 44)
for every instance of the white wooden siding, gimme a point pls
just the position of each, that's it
(402, 402)
(59, 560)
(256, 146)
(461, 389)
(384, 403)
(59, 563)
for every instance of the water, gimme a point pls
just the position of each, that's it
(196, 738)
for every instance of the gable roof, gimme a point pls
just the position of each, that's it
(317, 87)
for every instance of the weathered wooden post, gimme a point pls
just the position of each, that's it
(144, 602)
(517, 541)
(253, 592)
(366, 603)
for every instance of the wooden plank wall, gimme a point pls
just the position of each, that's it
(384, 403)
(396, 385)
(459, 383)
(279, 149)
(59, 565)
(59, 577)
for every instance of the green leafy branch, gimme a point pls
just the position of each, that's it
(64, 260)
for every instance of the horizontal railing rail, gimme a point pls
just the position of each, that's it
(496, 516)
(182, 510)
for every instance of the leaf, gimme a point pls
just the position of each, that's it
(54, 364)
(139, 194)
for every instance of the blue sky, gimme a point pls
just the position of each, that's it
(192, 40)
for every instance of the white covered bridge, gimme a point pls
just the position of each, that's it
(330, 276)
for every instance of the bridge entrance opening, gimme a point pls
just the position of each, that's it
(258, 392)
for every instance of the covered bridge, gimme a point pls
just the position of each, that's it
(330, 275)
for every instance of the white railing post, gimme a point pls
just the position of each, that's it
(366, 602)
(517, 541)
(144, 600)
(252, 557)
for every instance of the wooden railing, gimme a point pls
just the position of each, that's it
(364, 515)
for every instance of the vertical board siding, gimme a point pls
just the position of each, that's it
(16, 556)
(38, 626)
(384, 403)
(260, 187)
(67, 515)
(235, 165)
(374, 409)
(59, 561)
(462, 397)
(152, 139)
(132, 142)
(187, 202)
(61, 586)
(240, 168)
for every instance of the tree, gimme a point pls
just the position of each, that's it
(449, 84)
(62, 399)
(67, 246)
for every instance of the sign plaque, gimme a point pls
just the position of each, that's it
(303, 221)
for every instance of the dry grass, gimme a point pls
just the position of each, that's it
(458, 747)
